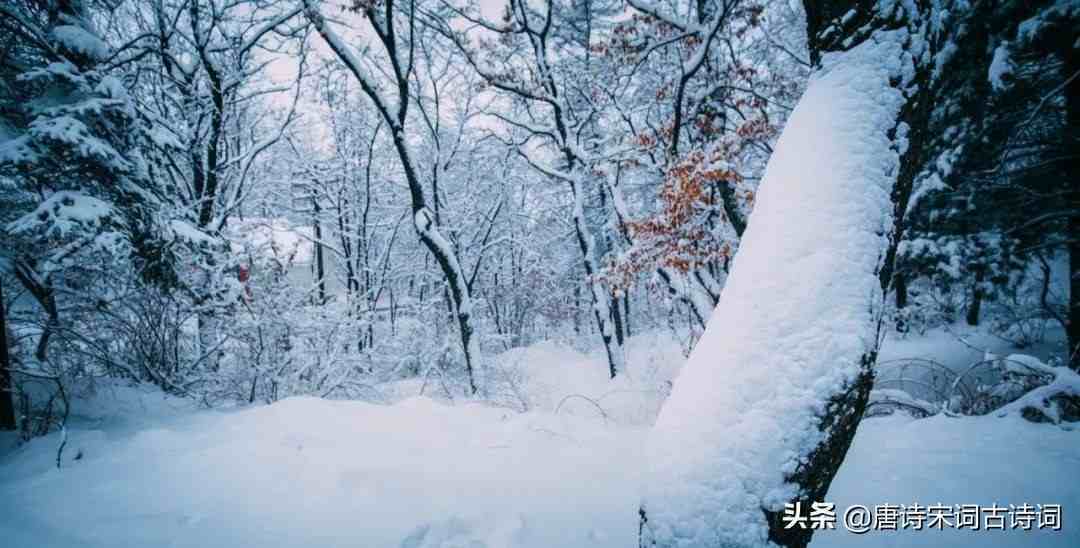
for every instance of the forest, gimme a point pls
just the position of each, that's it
(284, 272)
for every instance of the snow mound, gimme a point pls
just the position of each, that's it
(421, 474)
(458, 533)
(971, 460)
(312, 472)
(554, 378)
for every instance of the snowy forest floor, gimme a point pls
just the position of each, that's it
(142, 469)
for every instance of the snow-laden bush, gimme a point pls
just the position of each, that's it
(1057, 400)
(1020, 303)
(997, 385)
(556, 378)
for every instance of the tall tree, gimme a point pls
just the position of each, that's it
(394, 26)
(767, 405)
(203, 71)
(77, 188)
(552, 119)
(783, 414)
(997, 192)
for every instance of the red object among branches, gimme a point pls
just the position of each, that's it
(687, 231)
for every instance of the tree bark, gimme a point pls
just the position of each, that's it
(42, 291)
(901, 289)
(601, 299)
(974, 310)
(728, 499)
(320, 266)
(830, 28)
(7, 386)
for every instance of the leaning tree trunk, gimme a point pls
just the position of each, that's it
(768, 403)
(460, 294)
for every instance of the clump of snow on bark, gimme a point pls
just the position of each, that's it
(186, 231)
(795, 317)
(1000, 67)
(1061, 10)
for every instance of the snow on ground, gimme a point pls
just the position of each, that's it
(973, 460)
(310, 472)
(155, 471)
(554, 378)
(958, 346)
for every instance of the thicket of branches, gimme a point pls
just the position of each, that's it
(242, 201)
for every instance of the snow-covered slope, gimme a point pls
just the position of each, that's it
(155, 471)
(310, 472)
(420, 474)
(973, 460)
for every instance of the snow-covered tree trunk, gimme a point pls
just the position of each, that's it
(768, 403)
(684, 288)
(399, 51)
(601, 299)
(460, 297)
